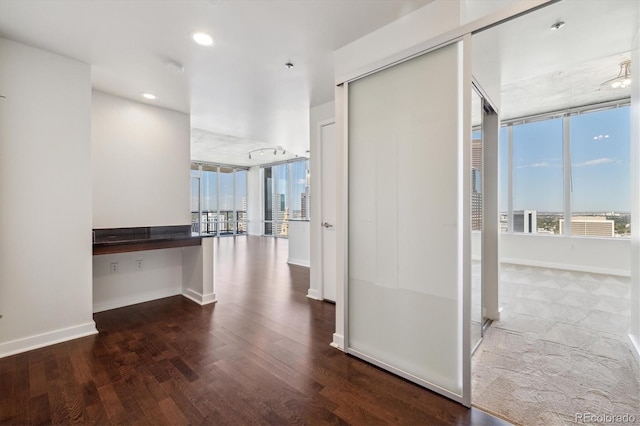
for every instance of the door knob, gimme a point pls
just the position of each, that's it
(327, 225)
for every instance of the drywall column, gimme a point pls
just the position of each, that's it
(45, 194)
(197, 272)
(634, 332)
(255, 206)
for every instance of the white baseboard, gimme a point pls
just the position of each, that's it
(338, 341)
(132, 299)
(199, 298)
(314, 294)
(634, 345)
(299, 262)
(45, 339)
(578, 268)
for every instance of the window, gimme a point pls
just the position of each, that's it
(209, 212)
(600, 173)
(299, 190)
(241, 201)
(286, 196)
(537, 177)
(596, 180)
(226, 215)
(214, 208)
(281, 200)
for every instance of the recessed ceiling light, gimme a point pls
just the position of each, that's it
(149, 96)
(203, 39)
(557, 25)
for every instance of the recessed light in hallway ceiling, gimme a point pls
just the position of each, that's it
(203, 39)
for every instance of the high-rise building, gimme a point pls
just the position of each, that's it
(281, 215)
(590, 226)
(525, 221)
(476, 185)
(303, 204)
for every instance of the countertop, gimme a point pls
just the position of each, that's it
(119, 240)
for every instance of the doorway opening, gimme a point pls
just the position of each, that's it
(559, 347)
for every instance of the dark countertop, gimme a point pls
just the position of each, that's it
(120, 240)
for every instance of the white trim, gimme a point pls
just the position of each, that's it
(342, 223)
(465, 82)
(299, 262)
(566, 169)
(634, 346)
(45, 339)
(568, 267)
(133, 299)
(314, 294)
(199, 298)
(509, 177)
(338, 341)
(422, 382)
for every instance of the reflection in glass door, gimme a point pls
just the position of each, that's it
(477, 318)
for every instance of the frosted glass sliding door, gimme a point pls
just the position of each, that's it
(406, 215)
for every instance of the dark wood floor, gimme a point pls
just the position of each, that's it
(260, 355)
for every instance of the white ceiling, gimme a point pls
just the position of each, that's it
(241, 97)
(543, 70)
(239, 90)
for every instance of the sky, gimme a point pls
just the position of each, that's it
(600, 165)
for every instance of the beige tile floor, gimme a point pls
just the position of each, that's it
(559, 349)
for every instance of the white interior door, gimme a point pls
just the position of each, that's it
(328, 202)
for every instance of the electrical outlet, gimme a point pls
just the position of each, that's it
(113, 267)
(139, 265)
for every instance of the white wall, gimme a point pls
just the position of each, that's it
(317, 115)
(254, 202)
(161, 276)
(596, 255)
(299, 243)
(45, 194)
(141, 161)
(470, 10)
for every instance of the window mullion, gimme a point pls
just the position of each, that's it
(566, 146)
(510, 178)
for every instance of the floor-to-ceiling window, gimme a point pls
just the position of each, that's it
(285, 195)
(218, 199)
